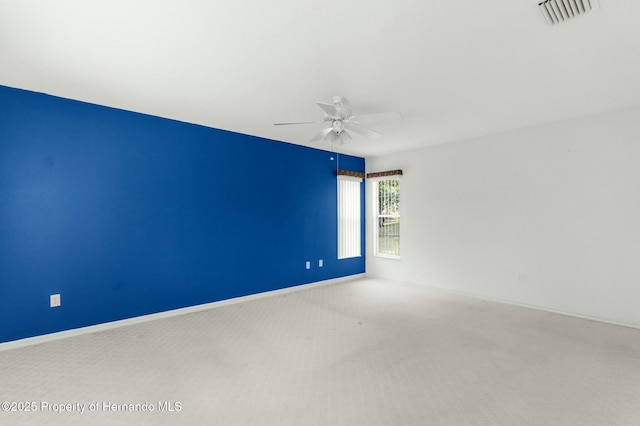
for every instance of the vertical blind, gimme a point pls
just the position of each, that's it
(349, 231)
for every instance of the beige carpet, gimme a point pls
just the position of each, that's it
(365, 352)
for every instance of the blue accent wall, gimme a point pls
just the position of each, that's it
(126, 214)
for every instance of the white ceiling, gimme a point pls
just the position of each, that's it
(454, 69)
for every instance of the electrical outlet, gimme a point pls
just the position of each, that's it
(54, 300)
(320, 263)
(308, 265)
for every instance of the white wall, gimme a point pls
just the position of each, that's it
(546, 216)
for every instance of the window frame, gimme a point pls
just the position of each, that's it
(377, 216)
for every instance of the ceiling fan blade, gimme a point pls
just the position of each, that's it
(364, 131)
(378, 116)
(299, 122)
(344, 137)
(321, 135)
(328, 109)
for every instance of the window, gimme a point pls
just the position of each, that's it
(386, 234)
(349, 217)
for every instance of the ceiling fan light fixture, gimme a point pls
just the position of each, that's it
(338, 126)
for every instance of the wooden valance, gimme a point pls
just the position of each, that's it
(349, 173)
(383, 174)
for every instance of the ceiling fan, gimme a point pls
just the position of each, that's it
(339, 119)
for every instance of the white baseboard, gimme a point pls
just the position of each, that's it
(166, 314)
(530, 306)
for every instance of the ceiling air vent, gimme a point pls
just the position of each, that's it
(559, 11)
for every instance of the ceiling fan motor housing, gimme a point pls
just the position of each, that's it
(341, 106)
